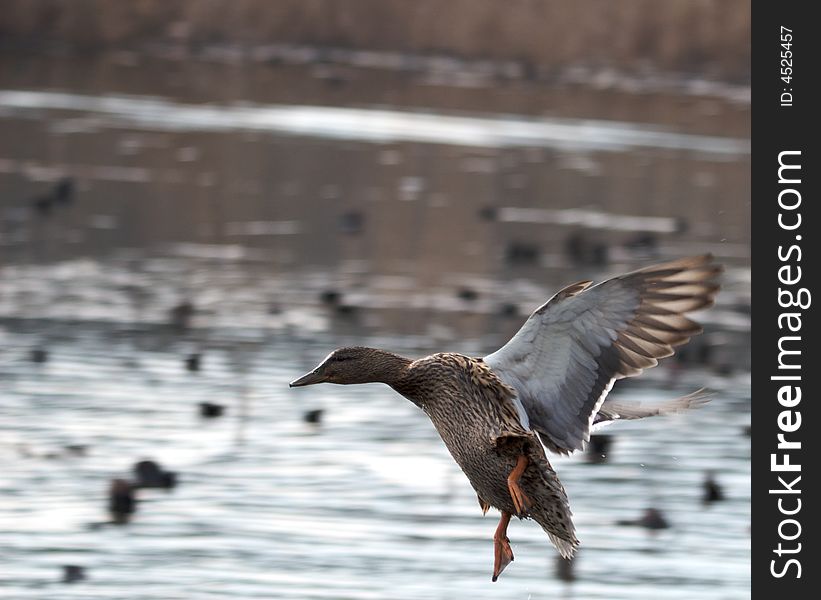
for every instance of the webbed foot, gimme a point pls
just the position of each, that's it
(502, 554)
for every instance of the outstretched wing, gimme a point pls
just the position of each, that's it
(566, 357)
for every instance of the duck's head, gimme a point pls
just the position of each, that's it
(355, 365)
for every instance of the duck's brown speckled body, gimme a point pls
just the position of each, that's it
(547, 387)
(476, 417)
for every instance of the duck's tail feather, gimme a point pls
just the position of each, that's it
(566, 548)
(553, 511)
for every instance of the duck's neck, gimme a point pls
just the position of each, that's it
(387, 367)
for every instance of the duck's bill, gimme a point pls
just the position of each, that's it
(309, 379)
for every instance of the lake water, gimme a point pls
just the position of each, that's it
(299, 215)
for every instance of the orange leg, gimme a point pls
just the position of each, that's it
(520, 500)
(502, 554)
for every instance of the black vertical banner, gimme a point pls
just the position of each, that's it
(786, 53)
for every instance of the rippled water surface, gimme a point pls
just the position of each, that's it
(366, 505)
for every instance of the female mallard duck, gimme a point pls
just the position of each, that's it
(548, 383)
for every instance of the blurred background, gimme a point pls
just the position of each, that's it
(199, 200)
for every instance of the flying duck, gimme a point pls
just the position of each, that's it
(545, 389)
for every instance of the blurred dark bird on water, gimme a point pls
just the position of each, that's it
(644, 244)
(122, 502)
(42, 205)
(347, 310)
(62, 194)
(334, 299)
(149, 474)
(39, 355)
(73, 573)
(76, 449)
(467, 294)
(652, 519)
(545, 389)
(583, 252)
(330, 297)
(712, 489)
(509, 309)
(489, 213)
(351, 222)
(522, 254)
(193, 362)
(181, 315)
(64, 191)
(209, 410)
(314, 416)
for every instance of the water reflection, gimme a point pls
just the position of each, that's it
(370, 125)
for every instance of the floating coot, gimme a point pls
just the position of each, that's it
(72, 573)
(346, 310)
(488, 213)
(64, 191)
(169, 480)
(313, 416)
(468, 294)
(122, 502)
(76, 449)
(645, 242)
(583, 252)
(39, 355)
(652, 519)
(193, 362)
(209, 410)
(351, 222)
(181, 315)
(149, 474)
(333, 298)
(42, 205)
(330, 297)
(60, 194)
(521, 253)
(509, 309)
(712, 490)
